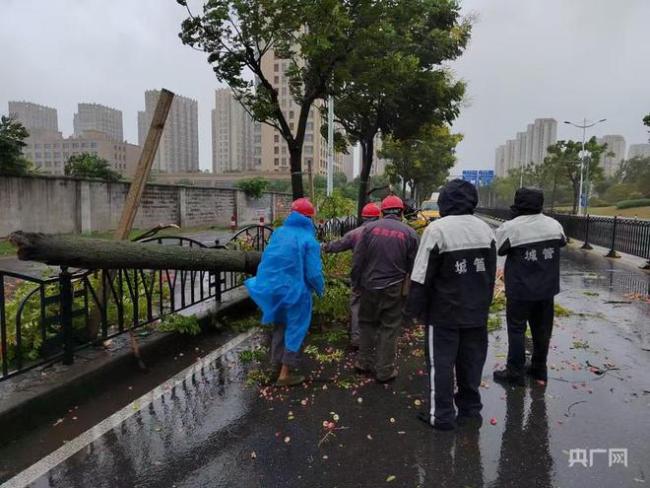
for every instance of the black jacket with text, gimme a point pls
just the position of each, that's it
(532, 245)
(454, 271)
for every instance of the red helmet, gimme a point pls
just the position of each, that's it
(303, 206)
(392, 202)
(370, 211)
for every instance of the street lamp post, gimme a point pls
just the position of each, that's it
(584, 126)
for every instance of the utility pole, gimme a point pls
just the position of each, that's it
(583, 156)
(330, 145)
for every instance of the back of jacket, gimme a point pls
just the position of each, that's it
(384, 255)
(532, 245)
(454, 272)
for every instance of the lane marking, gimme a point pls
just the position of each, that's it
(69, 449)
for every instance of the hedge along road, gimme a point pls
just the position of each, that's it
(211, 429)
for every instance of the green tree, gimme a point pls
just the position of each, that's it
(636, 172)
(397, 84)
(12, 142)
(87, 165)
(311, 38)
(564, 161)
(423, 162)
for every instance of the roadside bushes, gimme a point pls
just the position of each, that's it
(639, 202)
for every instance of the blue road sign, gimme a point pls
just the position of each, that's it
(481, 177)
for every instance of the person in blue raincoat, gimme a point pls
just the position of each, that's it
(290, 270)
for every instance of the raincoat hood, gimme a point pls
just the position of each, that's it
(458, 197)
(528, 201)
(296, 219)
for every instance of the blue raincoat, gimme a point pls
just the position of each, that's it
(290, 270)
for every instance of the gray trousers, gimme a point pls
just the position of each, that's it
(279, 353)
(380, 317)
(355, 303)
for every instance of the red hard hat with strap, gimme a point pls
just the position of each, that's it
(370, 210)
(392, 202)
(303, 206)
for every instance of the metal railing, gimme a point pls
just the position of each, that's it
(618, 234)
(46, 319)
(334, 228)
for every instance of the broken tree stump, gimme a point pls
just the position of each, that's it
(87, 253)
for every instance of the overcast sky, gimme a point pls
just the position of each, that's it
(565, 59)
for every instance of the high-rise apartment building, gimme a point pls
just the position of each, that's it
(529, 147)
(232, 135)
(348, 163)
(378, 163)
(273, 151)
(95, 117)
(50, 151)
(615, 146)
(34, 116)
(178, 151)
(638, 151)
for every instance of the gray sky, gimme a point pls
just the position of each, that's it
(565, 59)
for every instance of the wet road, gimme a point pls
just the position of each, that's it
(206, 428)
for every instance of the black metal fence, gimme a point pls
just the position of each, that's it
(45, 319)
(334, 228)
(627, 235)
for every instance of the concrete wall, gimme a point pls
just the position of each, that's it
(67, 205)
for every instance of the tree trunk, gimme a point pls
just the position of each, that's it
(79, 252)
(367, 149)
(553, 192)
(403, 187)
(295, 158)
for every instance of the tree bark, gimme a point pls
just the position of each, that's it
(367, 149)
(295, 160)
(79, 252)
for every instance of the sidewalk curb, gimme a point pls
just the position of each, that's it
(29, 407)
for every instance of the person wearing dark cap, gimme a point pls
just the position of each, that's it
(531, 242)
(452, 287)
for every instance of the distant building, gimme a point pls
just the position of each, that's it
(378, 163)
(92, 116)
(34, 116)
(50, 151)
(529, 147)
(179, 146)
(615, 145)
(232, 135)
(638, 151)
(500, 162)
(348, 163)
(273, 151)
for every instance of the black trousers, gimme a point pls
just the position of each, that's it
(539, 315)
(459, 350)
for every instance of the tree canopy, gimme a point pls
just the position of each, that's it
(423, 163)
(87, 165)
(395, 82)
(12, 142)
(310, 38)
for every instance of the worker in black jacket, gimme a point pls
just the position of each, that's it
(531, 241)
(381, 263)
(452, 286)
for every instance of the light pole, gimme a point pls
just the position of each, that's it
(584, 126)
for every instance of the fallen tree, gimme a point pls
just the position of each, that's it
(86, 253)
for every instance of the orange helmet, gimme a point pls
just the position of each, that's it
(303, 206)
(370, 210)
(392, 202)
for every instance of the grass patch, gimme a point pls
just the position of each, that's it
(561, 311)
(330, 355)
(591, 293)
(494, 322)
(257, 377)
(498, 303)
(180, 324)
(257, 354)
(243, 324)
(6, 249)
(580, 345)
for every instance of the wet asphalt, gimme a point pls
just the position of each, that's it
(214, 430)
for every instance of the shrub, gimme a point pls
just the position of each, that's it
(253, 187)
(640, 202)
(181, 324)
